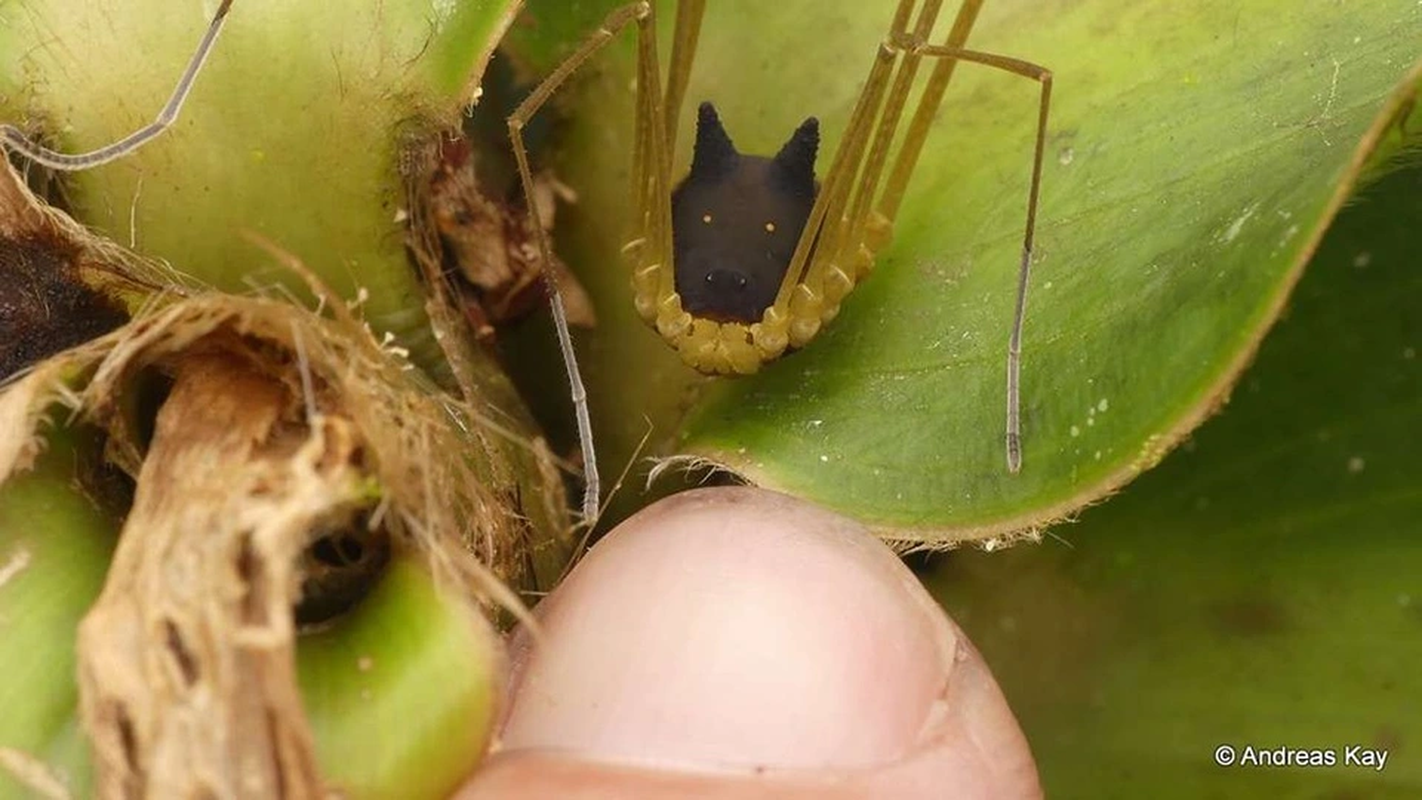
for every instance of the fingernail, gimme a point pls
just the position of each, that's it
(733, 628)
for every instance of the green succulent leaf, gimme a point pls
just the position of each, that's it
(55, 544)
(1259, 588)
(401, 692)
(1195, 154)
(291, 131)
(294, 133)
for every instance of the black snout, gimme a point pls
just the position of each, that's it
(725, 293)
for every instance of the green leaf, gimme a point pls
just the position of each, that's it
(55, 544)
(401, 692)
(1196, 151)
(291, 131)
(1259, 588)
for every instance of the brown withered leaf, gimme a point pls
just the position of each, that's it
(491, 246)
(46, 305)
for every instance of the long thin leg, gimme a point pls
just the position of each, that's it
(1014, 344)
(829, 232)
(640, 13)
(16, 140)
(652, 173)
(893, 111)
(952, 53)
(827, 210)
(847, 224)
(928, 105)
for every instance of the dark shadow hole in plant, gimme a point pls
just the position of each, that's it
(339, 568)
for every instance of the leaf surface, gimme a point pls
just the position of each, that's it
(1259, 588)
(1196, 152)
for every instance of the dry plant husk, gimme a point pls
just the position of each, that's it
(281, 422)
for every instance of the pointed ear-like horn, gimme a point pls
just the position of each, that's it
(714, 152)
(797, 157)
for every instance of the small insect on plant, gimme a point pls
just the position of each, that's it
(748, 257)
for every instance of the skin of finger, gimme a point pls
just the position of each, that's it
(976, 751)
(831, 600)
(733, 626)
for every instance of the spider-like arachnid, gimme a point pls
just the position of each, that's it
(748, 256)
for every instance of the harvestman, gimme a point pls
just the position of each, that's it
(748, 257)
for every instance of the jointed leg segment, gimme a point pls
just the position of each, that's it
(1014, 345)
(843, 234)
(650, 156)
(16, 140)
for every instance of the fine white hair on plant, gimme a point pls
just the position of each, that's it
(687, 464)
